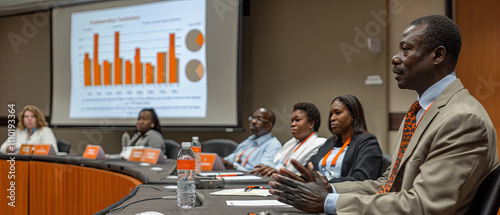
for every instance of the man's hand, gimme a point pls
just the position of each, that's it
(227, 164)
(306, 174)
(263, 170)
(309, 196)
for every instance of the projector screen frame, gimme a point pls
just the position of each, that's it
(105, 125)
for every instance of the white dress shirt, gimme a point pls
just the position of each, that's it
(302, 154)
(42, 135)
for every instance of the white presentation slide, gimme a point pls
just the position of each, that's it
(128, 58)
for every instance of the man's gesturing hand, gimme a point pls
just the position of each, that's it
(309, 196)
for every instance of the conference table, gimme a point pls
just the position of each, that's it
(70, 184)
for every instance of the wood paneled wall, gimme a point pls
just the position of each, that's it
(479, 62)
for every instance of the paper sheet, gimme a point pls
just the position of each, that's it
(241, 192)
(254, 203)
(213, 174)
(244, 177)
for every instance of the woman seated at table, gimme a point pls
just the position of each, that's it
(303, 145)
(31, 129)
(351, 154)
(148, 131)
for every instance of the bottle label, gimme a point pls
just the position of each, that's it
(196, 149)
(186, 164)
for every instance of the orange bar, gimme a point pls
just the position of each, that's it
(138, 66)
(86, 69)
(172, 62)
(149, 73)
(128, 72)
(97, 68)
(107, 73)
(118, 71)
(160, 64)
(118, 61)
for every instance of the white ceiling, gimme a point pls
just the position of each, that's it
(12, 7)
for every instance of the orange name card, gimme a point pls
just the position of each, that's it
(136, 155)
(211, 161)
(94, 152)
(152, 156)
(207, 161)
(26, 149)
(44, 149)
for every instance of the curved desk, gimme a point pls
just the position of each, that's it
(73, 185)
(45, 187)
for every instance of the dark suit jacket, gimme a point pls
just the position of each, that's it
(361, 162)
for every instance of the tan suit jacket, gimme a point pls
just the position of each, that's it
(452, 150)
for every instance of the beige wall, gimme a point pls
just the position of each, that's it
(24, 62)
(291, 53)
(297, 57)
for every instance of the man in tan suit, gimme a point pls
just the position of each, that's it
(447, 156)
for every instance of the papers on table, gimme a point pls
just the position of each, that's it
(221, 174)
(231, 176)
(253, 203)
(241, 192)
(150, 213)
(244, 177)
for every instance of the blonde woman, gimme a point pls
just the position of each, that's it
(31, 129)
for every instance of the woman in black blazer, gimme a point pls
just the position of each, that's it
(351, 154)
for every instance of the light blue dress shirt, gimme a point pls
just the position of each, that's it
(425, 101)
(333, 172)
(267, 147)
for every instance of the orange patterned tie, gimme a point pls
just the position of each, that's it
(410, 126)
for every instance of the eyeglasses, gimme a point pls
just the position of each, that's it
(259, 119)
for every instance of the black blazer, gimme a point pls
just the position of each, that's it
(361, 162)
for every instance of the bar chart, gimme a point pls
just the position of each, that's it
(124, 59)
(164, 70)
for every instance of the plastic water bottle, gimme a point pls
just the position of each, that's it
(196, 147)
(125, 139)
(186, 188)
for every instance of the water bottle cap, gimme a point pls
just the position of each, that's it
(195, 138)
(186, 144)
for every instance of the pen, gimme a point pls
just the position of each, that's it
(249, 188)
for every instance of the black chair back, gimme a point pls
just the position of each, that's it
(487, 199)
(63, 146)
(386, 162)
(222, 147)
(172, 148)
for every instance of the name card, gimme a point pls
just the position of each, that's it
(94, 152)
(136, 155)
(211, 161)
(44, 149)
(153, 156)
(26, 149)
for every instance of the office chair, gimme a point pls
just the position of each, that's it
(487, 199)
(222, 147)
(386, 162)
(62, 145)
(172, 148)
